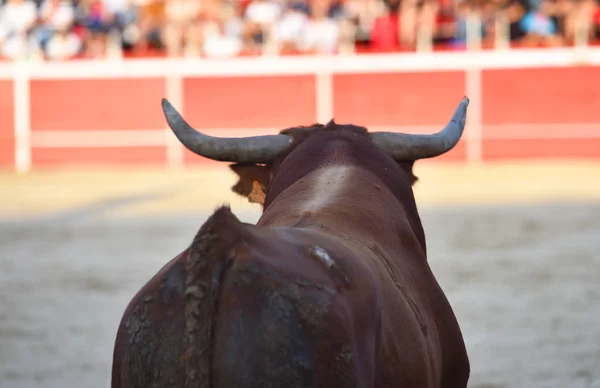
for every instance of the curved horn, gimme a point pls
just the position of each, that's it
(402, 146)
(254, 149)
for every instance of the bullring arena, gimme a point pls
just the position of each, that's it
(97, 195)
(514, 245)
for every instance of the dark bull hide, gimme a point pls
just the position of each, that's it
(331, 288)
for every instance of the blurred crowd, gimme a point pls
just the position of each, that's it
(62, 29)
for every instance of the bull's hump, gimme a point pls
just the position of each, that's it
(327, 184)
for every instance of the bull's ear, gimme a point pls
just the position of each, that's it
(408, 168)
(253, 181)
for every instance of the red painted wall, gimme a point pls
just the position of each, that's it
(559, 96)
(7, 138)
(523, 97)
(97, 104)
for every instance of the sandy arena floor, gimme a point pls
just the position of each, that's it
(516, 248)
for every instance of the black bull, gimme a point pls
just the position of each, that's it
(331, 288)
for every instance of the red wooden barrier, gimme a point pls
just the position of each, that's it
(101, 104)
(7, 137)
(544, 112)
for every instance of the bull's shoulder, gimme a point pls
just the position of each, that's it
(151, 332)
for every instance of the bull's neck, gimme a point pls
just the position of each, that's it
(345, 198)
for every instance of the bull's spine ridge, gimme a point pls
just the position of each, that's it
(210, 254)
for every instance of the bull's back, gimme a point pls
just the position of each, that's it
(251, 307)
(286, 318)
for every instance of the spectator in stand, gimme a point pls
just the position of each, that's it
(55, 31)
(261, 16)
(63, 44)
(288, 30)
(127, 24)
(462, 10)
(97, 19)
(445, 23)
(409, 11)
(263, 12)
(222, 31)
(563, 9)
(540, 25)
(402, 22)
(362, 14)
(116, 8)
(181, 23)
(515, 12)
(124, 15)
(580, 17)
(17, 19)
(150, 21)
(466, 8)
(321, 34)
(426, 21)
(488, 11)
(337, 10)
(385, 32)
